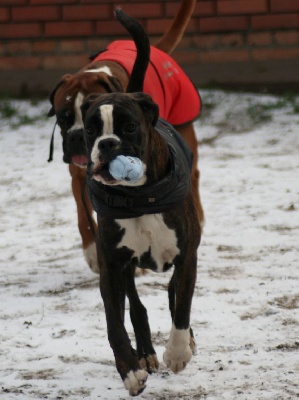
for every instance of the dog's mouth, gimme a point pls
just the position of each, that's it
(101, 174)
(79, 160)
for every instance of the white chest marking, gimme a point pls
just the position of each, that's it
(150, 233)
(104, 69)
(78, 124)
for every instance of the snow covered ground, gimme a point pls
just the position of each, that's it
(245, 314)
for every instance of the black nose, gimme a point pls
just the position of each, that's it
(108, 145)
(76, 137)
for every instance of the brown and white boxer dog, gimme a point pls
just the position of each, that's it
(109, 72)
(150, 222)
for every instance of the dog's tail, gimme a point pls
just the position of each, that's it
(174, 34)
(141, 41)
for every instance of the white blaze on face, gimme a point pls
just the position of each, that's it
(78, 123)
(106, 112)
(106, 115)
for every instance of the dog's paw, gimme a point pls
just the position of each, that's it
(178, 351)
(150, 363)
(90, 254)
(135, 381)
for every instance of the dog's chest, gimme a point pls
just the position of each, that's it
(153, 242)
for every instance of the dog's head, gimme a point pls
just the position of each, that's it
(117, 124)
(66, 100)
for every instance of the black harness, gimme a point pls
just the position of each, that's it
(131, 202)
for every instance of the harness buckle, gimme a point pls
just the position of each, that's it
(119, 201)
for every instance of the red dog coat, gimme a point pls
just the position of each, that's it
(165, 81)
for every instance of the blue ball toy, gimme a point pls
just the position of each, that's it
(126, 168)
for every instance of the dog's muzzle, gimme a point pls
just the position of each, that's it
(108, 147)
(74, 148)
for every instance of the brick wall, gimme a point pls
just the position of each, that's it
(51, 36)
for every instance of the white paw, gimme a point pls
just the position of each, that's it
(90, 254)
(178, 351)
(135, 381)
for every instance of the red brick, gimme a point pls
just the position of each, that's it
(4, 14)
(276, 21)
(259, 39)
(45, 13)
(20, 47)
(98, 1)
(206, 41)
(94, 45)
(148, 10)
(72, 46)
(64, 62)
(231, 40)
(223, 24)
(11, 31)
(12, 63)
(185, 43)
(51, 2)
(241, 6)
(274, 54)
(44, 46)
(284, 5)
(186, 57)
(68, 29)
(2, 49)
(204, 8)
(159, 26)
(111, 28)
(12, 2)
(213, 57)
(286, 38)
(201, 9)
(77, 13)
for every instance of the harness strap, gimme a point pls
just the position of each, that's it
(52, 144)
(115, 200)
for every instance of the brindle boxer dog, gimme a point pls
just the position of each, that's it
(149, 223)
(172, 90)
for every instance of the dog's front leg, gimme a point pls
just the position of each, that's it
(145, 351)
(88, 243)
(181, 343)
(113, 287)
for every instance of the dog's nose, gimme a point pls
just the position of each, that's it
(108, 145)
(76, 136)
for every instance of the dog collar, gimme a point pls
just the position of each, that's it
(132, 202)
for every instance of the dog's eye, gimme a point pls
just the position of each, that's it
(129, 128)
(64, 119)
(89, 130)
(67, 114)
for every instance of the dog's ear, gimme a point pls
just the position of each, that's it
(148, 106)
(51, 112)
(87, 103)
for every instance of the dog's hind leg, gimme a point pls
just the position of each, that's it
(188, 133)
(88, 243)
(146, 353)
(181, 342)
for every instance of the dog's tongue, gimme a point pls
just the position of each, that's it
(79, 160)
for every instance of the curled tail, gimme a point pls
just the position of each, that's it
(174, 34)
(141, 41)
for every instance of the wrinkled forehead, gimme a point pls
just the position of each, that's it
(118, 103)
